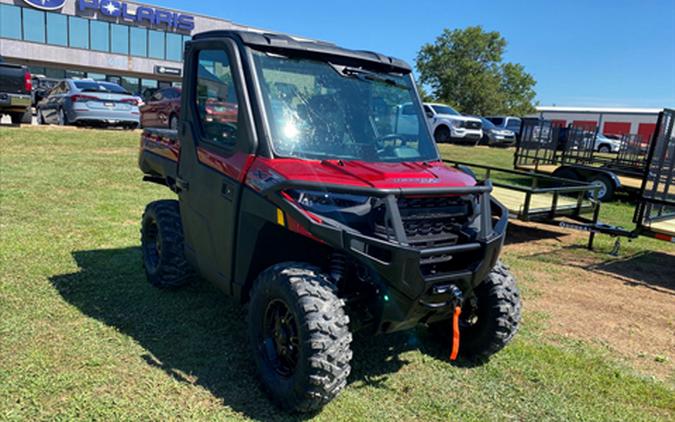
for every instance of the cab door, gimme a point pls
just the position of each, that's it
(215, 153)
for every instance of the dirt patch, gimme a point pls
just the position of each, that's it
(626, 305)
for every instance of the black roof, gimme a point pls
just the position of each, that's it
(275, 41)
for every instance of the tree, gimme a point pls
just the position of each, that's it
(464, 68)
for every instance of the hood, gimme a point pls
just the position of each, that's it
(363, 174)
(460, 118)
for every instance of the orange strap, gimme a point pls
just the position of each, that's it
(455, 334)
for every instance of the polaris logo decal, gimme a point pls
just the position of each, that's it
(142, 14)
(46, 4)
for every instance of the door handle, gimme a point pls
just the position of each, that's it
(227, 191)
(182, 184)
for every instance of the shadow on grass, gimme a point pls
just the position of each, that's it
(520, 232)
(199, 336)
(650, 269)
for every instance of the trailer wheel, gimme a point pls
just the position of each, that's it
(162, 244)
(299, 333)
(489, 326)
(607, 189)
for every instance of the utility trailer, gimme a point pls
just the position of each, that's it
(541, 198)
(655, 212)
(570, 153)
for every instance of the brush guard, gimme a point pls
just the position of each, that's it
(409, 296)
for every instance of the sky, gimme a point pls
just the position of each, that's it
(614, 53)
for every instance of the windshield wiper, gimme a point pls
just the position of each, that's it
(368, 75)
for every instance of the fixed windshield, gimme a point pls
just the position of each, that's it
(487, 124)
(441, 109)
(327, 111)
(106, 87)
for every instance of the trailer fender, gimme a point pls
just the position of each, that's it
(589, 173)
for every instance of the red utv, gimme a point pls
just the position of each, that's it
(310, 206)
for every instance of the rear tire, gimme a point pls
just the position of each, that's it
(163, 247)
(21, 118)
(492, 324)
(604, 149)
(299, 334)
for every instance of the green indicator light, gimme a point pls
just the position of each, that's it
(386, 298)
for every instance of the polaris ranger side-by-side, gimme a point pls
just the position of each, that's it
(298, 196)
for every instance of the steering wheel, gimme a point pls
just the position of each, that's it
(391, 137)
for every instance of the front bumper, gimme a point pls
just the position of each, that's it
(408, 297)
(466, 134)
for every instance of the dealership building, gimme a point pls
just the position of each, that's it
(137, 45)
(608, 120)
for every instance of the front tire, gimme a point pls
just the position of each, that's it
(299, 333)
(442, 135)
(173, 122)
(62, 118)
(163, 248)
(489, 326)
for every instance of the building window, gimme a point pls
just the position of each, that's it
(139, 42)
(96, 76)
(130, 84)
(119, 39)
(79, 32)
(10, 21)
(174, 47)
(156, 44)
(74, 74)
(53, 73)
(100, 36)
(33, 25)
(57, 29)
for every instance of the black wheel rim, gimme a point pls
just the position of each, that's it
(443, 135)
(281, 338)
(152, 246)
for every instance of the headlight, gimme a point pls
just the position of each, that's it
(344, 208)
(456, 123)
(326, 201)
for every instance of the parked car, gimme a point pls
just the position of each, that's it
(507, 122)
(41, 87)
(494, 136)
(15, 92)
(606, 144)
(89, 102)
(162, 108)
(448, 125)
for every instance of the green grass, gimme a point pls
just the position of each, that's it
(83, 336)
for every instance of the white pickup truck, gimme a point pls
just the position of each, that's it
(448, 125)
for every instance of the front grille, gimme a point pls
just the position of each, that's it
(433, 221)
(472, 125)
(429, 223)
